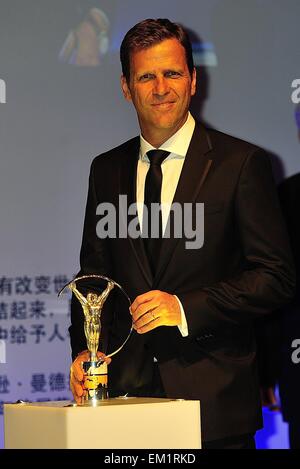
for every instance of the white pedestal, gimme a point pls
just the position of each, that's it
(117, 424)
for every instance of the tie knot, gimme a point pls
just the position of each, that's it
(156, 157)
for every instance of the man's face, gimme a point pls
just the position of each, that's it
(160, 87)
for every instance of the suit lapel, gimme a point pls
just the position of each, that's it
(196, 166)
(127, 181)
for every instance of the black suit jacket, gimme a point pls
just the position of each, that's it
(277, 332)
(243, 271)
(289, 376)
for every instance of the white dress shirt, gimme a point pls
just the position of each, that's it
(171, 168)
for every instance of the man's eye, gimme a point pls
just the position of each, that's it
(172, 74)
(147, 76)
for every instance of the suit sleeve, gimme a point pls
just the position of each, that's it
(94, 259)
(266, 279)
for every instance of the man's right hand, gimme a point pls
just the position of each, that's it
(76, 374)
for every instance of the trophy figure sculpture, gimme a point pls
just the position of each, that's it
(92, 307)
(95, 380)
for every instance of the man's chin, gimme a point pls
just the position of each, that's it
(167, 124)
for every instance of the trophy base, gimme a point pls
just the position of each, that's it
(95, 383)
(93, 402)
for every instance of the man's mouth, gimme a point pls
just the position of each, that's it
(164, 106)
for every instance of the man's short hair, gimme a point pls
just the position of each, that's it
(150, 32)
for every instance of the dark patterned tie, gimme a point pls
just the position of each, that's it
(153, 196)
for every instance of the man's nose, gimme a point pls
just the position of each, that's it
(161, 86)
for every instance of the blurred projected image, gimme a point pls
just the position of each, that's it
(87, 44)
(204, 54)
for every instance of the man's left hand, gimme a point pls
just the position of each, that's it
(153, 309)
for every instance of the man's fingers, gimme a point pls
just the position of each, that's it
(76, 389)
(102, 356)
(77, 399)
(77, 371)
(146, 318)
(76, 367)
(144, 298)
(76, 376)
(144, 309)
(149, 326)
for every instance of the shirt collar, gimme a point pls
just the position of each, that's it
(177, 145)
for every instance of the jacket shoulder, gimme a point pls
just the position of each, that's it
(112, 156)
(221, 139)
(236, 153)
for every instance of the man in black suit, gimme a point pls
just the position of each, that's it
(289, 364)
(194, 304)
(278, 334)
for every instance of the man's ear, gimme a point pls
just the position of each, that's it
(125, 88)
(194, 82)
